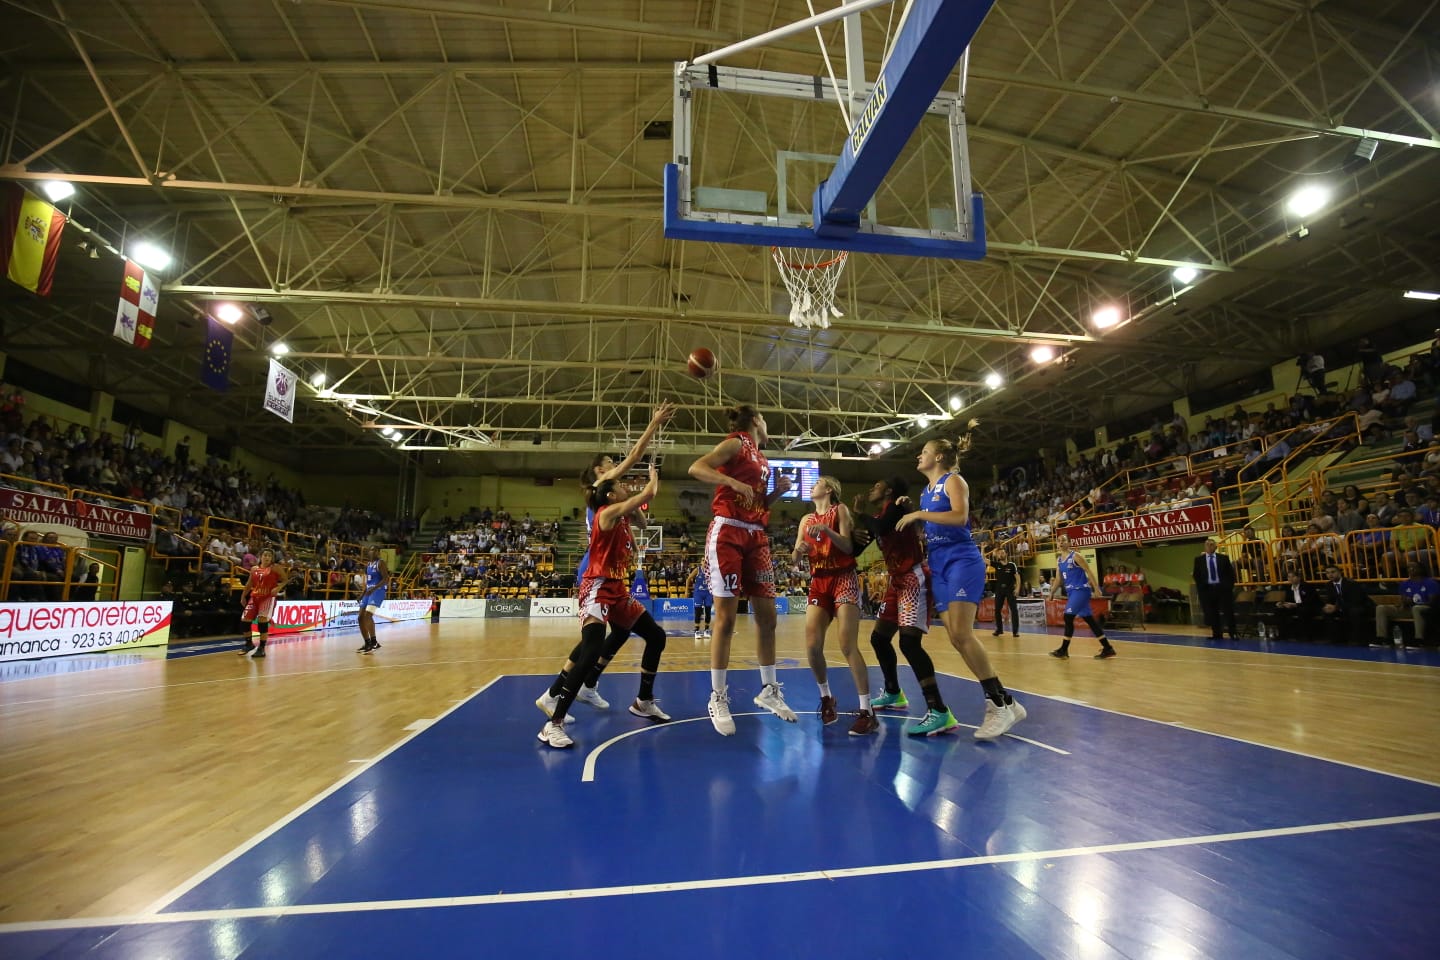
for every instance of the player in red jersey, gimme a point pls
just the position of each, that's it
(605, 599)
(906, 607)
(737, 556)
(824, 541)
(261, 590)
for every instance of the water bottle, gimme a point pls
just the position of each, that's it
(1398, 635)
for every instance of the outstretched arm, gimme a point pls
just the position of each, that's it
(662, 416)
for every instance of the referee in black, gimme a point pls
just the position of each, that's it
(1007, 577)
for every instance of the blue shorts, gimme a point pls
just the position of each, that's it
(1077, 602)
(372, 598)
(957, 574)
(703, 598)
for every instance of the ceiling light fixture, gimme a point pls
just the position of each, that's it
(280, 348)
(1185, 275)
(57, 190)
(1042, 353)
(1106, 317)
(994, 381)
(1421, 295)
(150, 256)
(956, 403)
(228, 312)
(1307, 200)
(318, 378)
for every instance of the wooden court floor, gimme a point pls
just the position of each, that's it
(117, 785)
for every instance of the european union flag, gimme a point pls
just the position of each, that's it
(215, 362)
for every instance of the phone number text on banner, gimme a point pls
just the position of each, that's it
(33, 630)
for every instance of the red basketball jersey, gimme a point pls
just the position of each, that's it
(823, 553)
(902, 549)
(612, 552)
(750, 467)
(264, 582)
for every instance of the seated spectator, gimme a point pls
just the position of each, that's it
(1401, 397)
(1368, 547)
(1410, 544)
(85, 585)
(52, 556)
(1346, 609)
(1417, 595)
(1383, 508)
(1254, 556)
(1300, 607)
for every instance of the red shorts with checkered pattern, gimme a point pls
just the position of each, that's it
(739, 560)
(608, 600)
(907, 600)
(829, 590)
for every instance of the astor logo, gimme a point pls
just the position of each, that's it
(861, 130)
(553, 609)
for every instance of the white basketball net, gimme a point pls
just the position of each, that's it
(811, 278)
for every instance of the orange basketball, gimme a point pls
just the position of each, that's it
(702, 363)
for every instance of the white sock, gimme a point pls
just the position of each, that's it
(717, 680)
(767, 673)
(864, 703)
(824, 689)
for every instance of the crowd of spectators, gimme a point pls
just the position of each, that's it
(1169, 466)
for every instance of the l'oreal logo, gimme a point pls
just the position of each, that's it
(866, 120)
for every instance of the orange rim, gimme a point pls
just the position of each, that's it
(775, 251)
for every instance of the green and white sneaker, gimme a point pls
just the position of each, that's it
(934, 722)
(890, 701)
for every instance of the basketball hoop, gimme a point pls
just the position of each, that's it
(811, 279)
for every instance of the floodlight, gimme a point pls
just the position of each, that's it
(956, 403)
(1042, 353)
(318, 378)
(57, 190)
(149, 256)
(1185, 275)
(885, 444)
(1307, 200)
(874, 449)
(994, 381)
(1421, 295)
(1106, 316)
(923, 422)
(228, 312)
(280, 348)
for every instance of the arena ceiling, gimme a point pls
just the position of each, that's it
(453, 209)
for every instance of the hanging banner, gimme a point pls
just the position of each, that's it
(280, 392)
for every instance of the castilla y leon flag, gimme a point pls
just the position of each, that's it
(29, 238)
(139, 299)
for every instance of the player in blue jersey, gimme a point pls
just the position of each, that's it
(377, 581)
(703, 598)
(1078, 582)
(603, 468)
(957, 579)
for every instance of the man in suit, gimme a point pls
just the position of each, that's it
(1300, 606)
(1215, 585)
(1348, 611)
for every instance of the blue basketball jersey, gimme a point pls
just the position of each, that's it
(1072, 574)
(934, 498)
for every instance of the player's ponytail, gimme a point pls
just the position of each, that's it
(742, 417)
(949, 452)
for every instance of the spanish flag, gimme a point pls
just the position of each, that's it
(29, 238)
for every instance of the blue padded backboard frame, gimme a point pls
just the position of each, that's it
(931, 41)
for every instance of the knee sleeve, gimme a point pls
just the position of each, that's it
(912, 645)
(614, 642)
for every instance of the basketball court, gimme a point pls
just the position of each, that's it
(361, 803)
(1185, 799)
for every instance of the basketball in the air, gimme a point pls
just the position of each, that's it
(702, 363)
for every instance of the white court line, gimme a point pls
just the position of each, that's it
(837, 873)
(1210, 733)
(588, 775)
(419, 725)
(233, 855)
